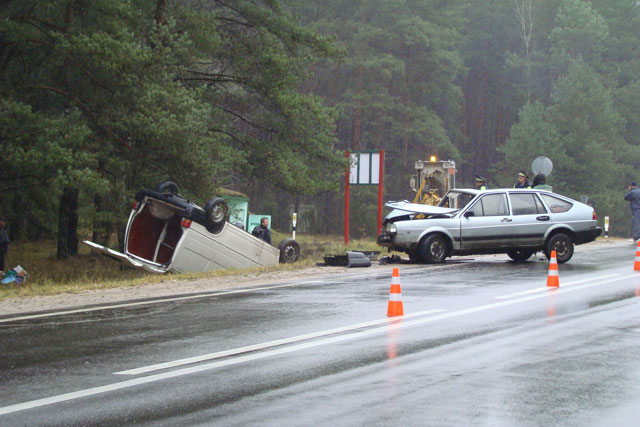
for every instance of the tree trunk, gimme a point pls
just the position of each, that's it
(356, 138)
(68, 224)
(407, 102)
(17, 220)
(161, 7)
(101, 228)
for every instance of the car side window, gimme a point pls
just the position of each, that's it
(490, 205)
(526, 204)
(555, 204)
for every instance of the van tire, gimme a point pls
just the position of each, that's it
(168, 187)
(289, 251)
(216, 214)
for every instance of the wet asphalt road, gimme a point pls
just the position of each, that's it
(483, 342)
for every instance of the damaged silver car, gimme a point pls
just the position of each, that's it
(518, 222)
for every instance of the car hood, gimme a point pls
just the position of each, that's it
(406, 206)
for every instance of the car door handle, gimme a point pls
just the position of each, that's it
(506, 220)
(543, 218)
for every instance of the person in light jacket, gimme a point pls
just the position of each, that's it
(480, 183)
(523, 180)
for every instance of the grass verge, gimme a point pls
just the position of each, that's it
(91, 271)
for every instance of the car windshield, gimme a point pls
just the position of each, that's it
(456, 200)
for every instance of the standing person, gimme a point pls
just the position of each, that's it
(4, 243)
(480, 183)
(633, 197)
(539, 182)
(262, 231)
(523, 180)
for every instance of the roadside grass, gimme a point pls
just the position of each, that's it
(91, 271)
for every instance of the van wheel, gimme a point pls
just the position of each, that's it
(434, 249)
(563, 245)
(216, 214)
(168, 187)
(520, 255)
(289, 251)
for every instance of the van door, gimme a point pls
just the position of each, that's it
(122, 257)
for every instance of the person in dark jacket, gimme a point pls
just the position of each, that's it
(4, 243)
(523, 180)
(480, 183)
(262, 231)
(539, 182)
(633, 197)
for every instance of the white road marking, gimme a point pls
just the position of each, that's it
(264, 345)
(394, 324)
(563, 284)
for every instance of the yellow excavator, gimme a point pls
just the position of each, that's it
(435, 178)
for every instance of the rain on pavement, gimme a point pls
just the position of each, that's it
(483, 341)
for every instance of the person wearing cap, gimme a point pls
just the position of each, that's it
(633, 197)
(480, 183)
(523, 180)
(4, 243)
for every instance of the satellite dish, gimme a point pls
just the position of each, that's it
(543, 165)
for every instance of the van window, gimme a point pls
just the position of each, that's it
(491, 205)
(526, 204)
(555, 204)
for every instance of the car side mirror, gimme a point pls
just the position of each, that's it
(468, 214)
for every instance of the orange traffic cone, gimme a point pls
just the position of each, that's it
(636, 265)
(395, 296)
(552, 277)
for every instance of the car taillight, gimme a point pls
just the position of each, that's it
(186, 223)
(135, 206)
(594, 215)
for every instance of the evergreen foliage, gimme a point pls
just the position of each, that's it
(99, 98)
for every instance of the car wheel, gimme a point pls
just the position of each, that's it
(433, 249)
(520, 254)
(563, 245)
(216, 213)
(289, 251)
(168, 187)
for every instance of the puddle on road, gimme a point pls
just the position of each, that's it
(614, 298)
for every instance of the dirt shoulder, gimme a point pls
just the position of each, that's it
(175, 287)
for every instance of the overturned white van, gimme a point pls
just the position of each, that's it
(165, 232)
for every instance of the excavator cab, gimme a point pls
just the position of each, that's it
(432, 180)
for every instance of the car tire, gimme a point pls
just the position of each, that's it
(434, 249)
(520, 255)
(289, 251)
(168, 187)
(216, 214)
(563, 245)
